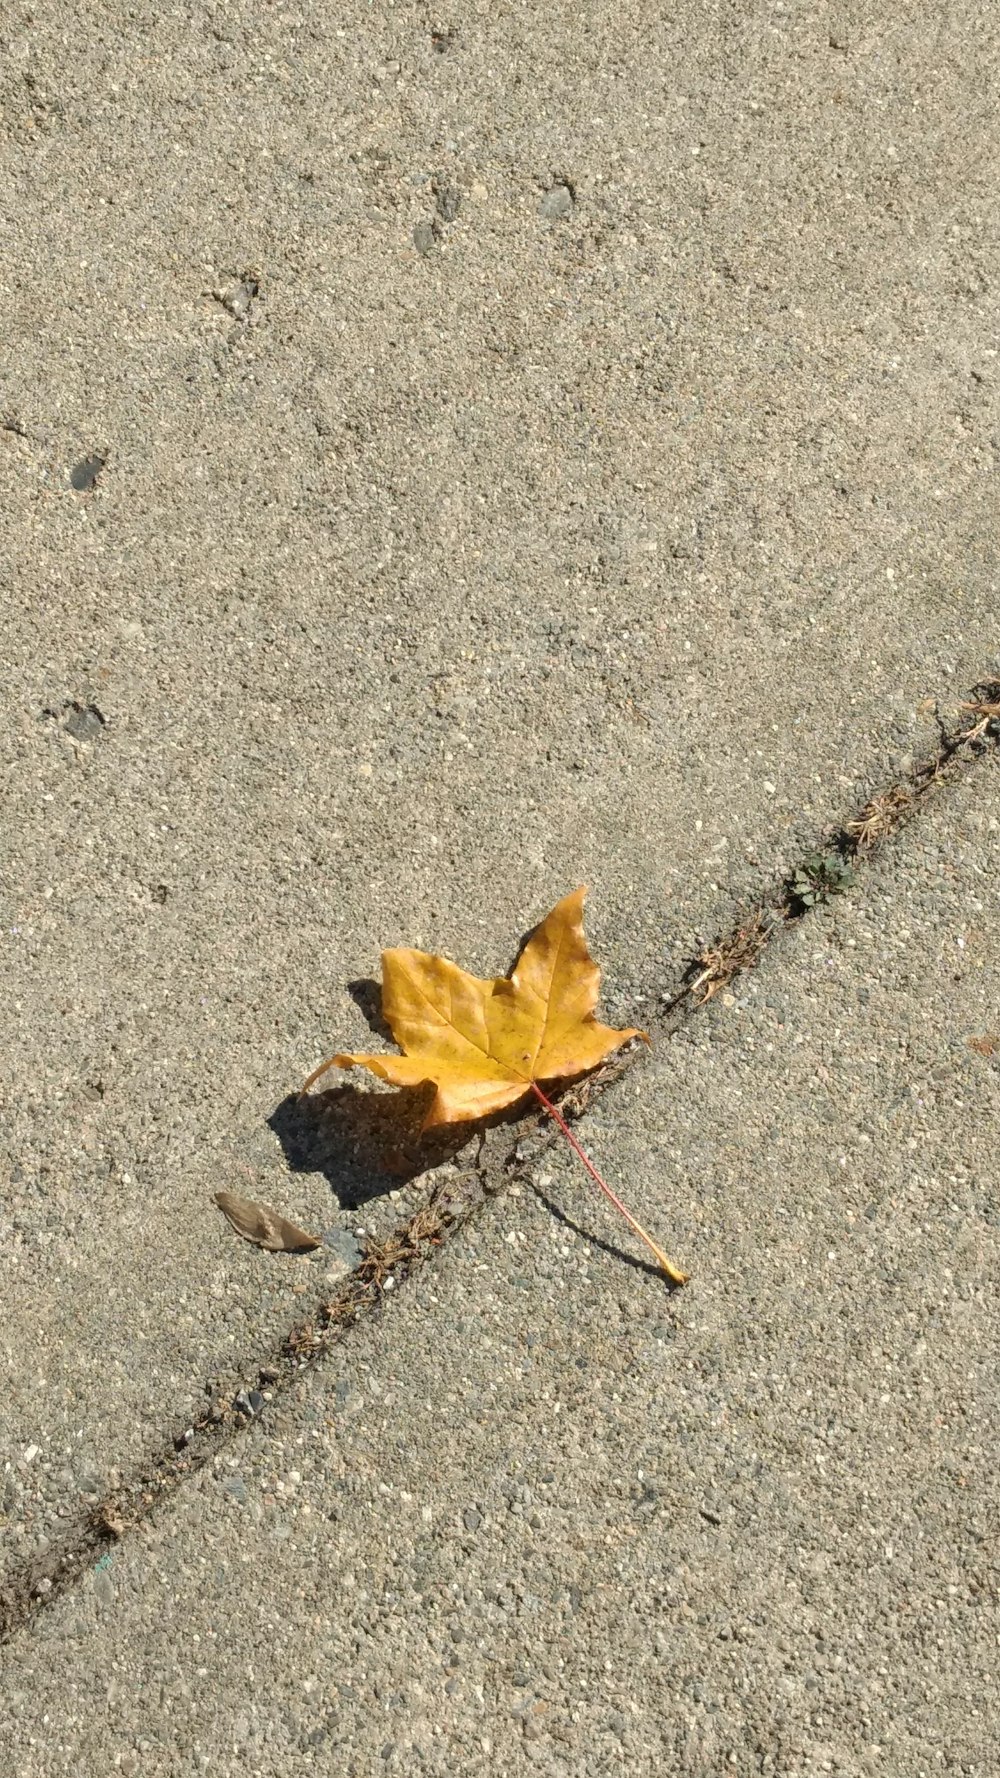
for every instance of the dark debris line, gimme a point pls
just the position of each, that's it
(831, 869)
(386, 1266)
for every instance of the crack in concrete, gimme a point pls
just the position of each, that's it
(457, 1197)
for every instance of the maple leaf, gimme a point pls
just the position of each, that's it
(488, 1044)
(485, 1043)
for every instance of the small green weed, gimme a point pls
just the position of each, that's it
(819, 876)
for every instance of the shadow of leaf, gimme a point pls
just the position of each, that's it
(609, 1247)
(363, 1142)
(524, 940)
(367, 997)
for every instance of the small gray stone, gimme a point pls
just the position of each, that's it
(557, 203)
(104, 1587)
(238, 299)
(448, 200)
(84, 722)
(425, 236)
(343, 1244)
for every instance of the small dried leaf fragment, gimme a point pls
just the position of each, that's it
(987, 1045)
(259, 1223)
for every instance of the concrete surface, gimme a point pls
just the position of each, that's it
(598, 484)
(546, 1517)
(615, 546)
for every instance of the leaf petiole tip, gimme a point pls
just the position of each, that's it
(666, 1265)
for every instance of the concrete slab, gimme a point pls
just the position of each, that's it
(545, 1517)
(595, 485)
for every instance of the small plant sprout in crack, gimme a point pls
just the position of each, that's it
(819, 876)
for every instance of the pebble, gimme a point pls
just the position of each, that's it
(425, 237)
(557, 203)
(448, 202)
(238, 299)
(344, 1245)
(84, 722)
(104, 1587)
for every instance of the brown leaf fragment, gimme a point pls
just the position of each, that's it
(987, 1045)
(880, 816)
(721, 962)
(107, 1519)
(258, 1222)
(981, 711)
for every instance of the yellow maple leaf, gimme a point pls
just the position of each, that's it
(488, 1044)
(484, 1043)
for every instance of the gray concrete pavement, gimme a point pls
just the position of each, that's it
(545, 1517)
(596, 488)
(615, 548)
